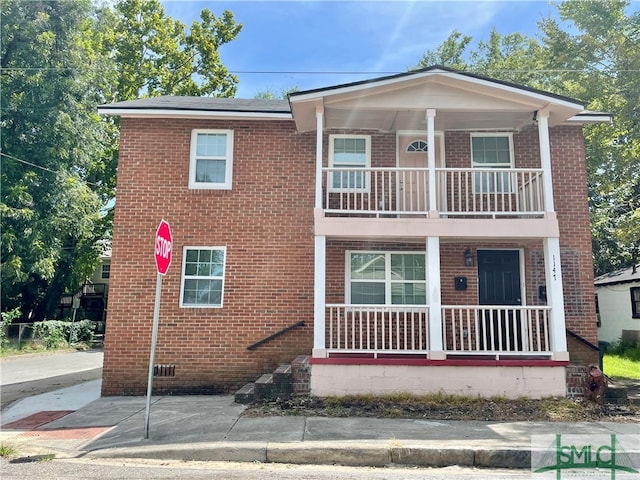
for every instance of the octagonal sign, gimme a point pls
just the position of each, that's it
(164, 245)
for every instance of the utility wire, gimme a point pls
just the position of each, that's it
(11, 157)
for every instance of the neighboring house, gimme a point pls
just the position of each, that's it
(430, 229)
(91, 299)
(618, 300)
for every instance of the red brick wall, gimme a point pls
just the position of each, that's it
(266, 224)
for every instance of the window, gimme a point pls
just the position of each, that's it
(202, 276)
(635, 302)
(106, 270)
(386, 278)
(488, 152)
(211, 160)
(417, 146)
(352, 152)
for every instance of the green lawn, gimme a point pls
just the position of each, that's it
(616, 366)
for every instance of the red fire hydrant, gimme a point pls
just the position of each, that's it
(595, 384)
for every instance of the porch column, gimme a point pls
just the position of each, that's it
(555, 298)
(431, 158)
(319, 131)
(545, 159)
(319, 296)
(434, 299)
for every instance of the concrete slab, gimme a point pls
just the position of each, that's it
(268, 429)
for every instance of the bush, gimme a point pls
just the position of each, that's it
(7, 319)
(57, 333)
(630, 350)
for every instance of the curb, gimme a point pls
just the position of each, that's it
(327, 453)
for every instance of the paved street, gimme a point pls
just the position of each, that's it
(24, 376)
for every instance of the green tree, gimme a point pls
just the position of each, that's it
(51, 143)
(156, 55)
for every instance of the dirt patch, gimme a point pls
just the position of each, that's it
(449, 407)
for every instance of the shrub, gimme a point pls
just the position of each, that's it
(630, 350)
(7, 319)
(57, 333)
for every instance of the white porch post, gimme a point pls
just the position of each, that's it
(545, 159)
(319, 296)
(319, 131)
(555, 298)
(436, 351)
(431, 158)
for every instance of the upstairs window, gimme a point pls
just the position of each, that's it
(106, 271)
(635, 302)
(211, 162)
(492, 151)
(386, 278)
(353, 154)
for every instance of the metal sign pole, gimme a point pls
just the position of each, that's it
(154, 340)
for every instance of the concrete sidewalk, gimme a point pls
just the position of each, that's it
(212, 428)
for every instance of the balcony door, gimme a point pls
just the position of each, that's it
(499, 284)
(413, 185)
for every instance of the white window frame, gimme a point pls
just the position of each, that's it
(388, 282)
(484, 166)
(367, 166)
(193, 159)
(183, 277)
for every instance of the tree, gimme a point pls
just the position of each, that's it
(51, 142)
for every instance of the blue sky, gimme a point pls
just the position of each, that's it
(354, 40)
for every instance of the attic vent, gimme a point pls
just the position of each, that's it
(164, 370)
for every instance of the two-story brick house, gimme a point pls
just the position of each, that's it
(430, 229)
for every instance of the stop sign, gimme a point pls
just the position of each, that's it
(164, 245)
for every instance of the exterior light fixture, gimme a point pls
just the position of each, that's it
(468, 258)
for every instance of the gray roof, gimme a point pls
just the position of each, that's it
(212, 104)
(624, 275)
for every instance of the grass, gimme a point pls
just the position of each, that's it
(7, 451)
(616, 366)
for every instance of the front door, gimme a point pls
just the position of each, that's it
(499, 284)
(413, 185)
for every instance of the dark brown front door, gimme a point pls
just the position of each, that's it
(499, 284)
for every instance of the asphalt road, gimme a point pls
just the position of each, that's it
(26, 375)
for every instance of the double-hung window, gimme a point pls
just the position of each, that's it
(492, 152)
(635, 302)
(386, 278)
(211, 162)
(202, 276)
(350, 156)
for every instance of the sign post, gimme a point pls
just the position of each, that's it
(163, 247)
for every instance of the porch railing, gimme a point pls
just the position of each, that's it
(491, 191)
(496, 329)
(377, 329)
(459, 191)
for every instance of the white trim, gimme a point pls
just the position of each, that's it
(319, 295)
(226, 185)
(545, 160)
(366, 175)
(169, 113)
(183, 278)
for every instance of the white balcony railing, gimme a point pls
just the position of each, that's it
(490, 191)
(496, 329)
(459, 192)
(377, 329)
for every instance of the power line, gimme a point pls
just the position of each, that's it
(11, 157)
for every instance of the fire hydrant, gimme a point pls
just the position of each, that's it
(595, 384)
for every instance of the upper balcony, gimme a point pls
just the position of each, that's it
(460, 192)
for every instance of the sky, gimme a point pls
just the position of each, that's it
(313, 44)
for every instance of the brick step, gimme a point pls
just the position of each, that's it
(246, 394)
(269, 387)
